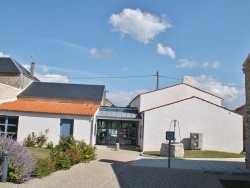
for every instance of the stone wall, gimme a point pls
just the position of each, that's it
(177, 150)
(246, 70)
(11, 80)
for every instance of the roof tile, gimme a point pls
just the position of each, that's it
(50, 108)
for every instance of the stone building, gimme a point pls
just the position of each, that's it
(246, 70)
(13, 78)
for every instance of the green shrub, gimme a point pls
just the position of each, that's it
(33, 140)
(61, 159)
(66, 142)
(87, 152)
(70, 151)
(44, 167)
(50, 145)
(42, 138)
(30, 141)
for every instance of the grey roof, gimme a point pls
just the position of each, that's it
(63, 91)
(108, 112)
(9, 65)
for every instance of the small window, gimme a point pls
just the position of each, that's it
(9, 126)
(66, 127)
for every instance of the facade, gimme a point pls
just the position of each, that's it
(246, 70)
(242, 111)
(117, 125)
(13, 78)
(64, 109)
(77, 109)
(196, 111)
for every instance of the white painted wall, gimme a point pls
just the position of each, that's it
(222, 129)
(8, 93)
(82, 129)
(169, 95)
(38, 122)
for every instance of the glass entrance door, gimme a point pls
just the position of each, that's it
(112, 132)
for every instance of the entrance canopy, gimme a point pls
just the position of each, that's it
(118, 113)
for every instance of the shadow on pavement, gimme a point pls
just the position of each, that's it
(149, 173)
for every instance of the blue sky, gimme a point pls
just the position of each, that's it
(85, 42)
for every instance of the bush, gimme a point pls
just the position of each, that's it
(21, 163)
(87, 152)
(61, 159)
(30, 141)
(42, 138)
(70, 151)
(50, 145)
(44, 167)
(33, 140)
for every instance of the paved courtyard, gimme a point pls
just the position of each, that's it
(125, 168)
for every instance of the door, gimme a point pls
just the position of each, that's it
(66, 127)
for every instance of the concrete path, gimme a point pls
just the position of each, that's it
(126, 168)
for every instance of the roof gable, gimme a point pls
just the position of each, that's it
(193, 97)
(174, 86)
(9, 65)
(63, 91)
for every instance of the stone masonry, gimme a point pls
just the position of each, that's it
(246, 70)
(177, 150)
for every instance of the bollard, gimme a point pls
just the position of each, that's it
(117, 146)
(4, 166)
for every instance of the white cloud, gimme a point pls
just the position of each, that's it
(226, 92)
(216, 64)
(66, 44)
(26, 66)
(140, 25)
(3, 55)
(187, 64)
(123, 98)
(52, 78)
(106, 52)
(45, 68)
(205, 65)
(167, 51)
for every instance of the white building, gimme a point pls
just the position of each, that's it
(77, 109)
(196, 111)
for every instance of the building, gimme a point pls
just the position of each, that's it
(195, 110)
(13, 78)
(246, 70)
(78, 110)
(64, 109)
(242, 111)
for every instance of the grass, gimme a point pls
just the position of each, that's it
(235, 183)
(201, 154)
(39, 152)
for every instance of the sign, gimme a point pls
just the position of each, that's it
(169, 135)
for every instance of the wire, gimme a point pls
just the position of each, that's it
(136, 76)
(97, 77)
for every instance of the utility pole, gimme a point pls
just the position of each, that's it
(157, 80)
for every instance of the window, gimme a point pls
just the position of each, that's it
(8, 126)
(66, 127)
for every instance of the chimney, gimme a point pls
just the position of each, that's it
(32, 67)
(188, 80)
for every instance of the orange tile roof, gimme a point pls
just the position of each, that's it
(49, 107)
